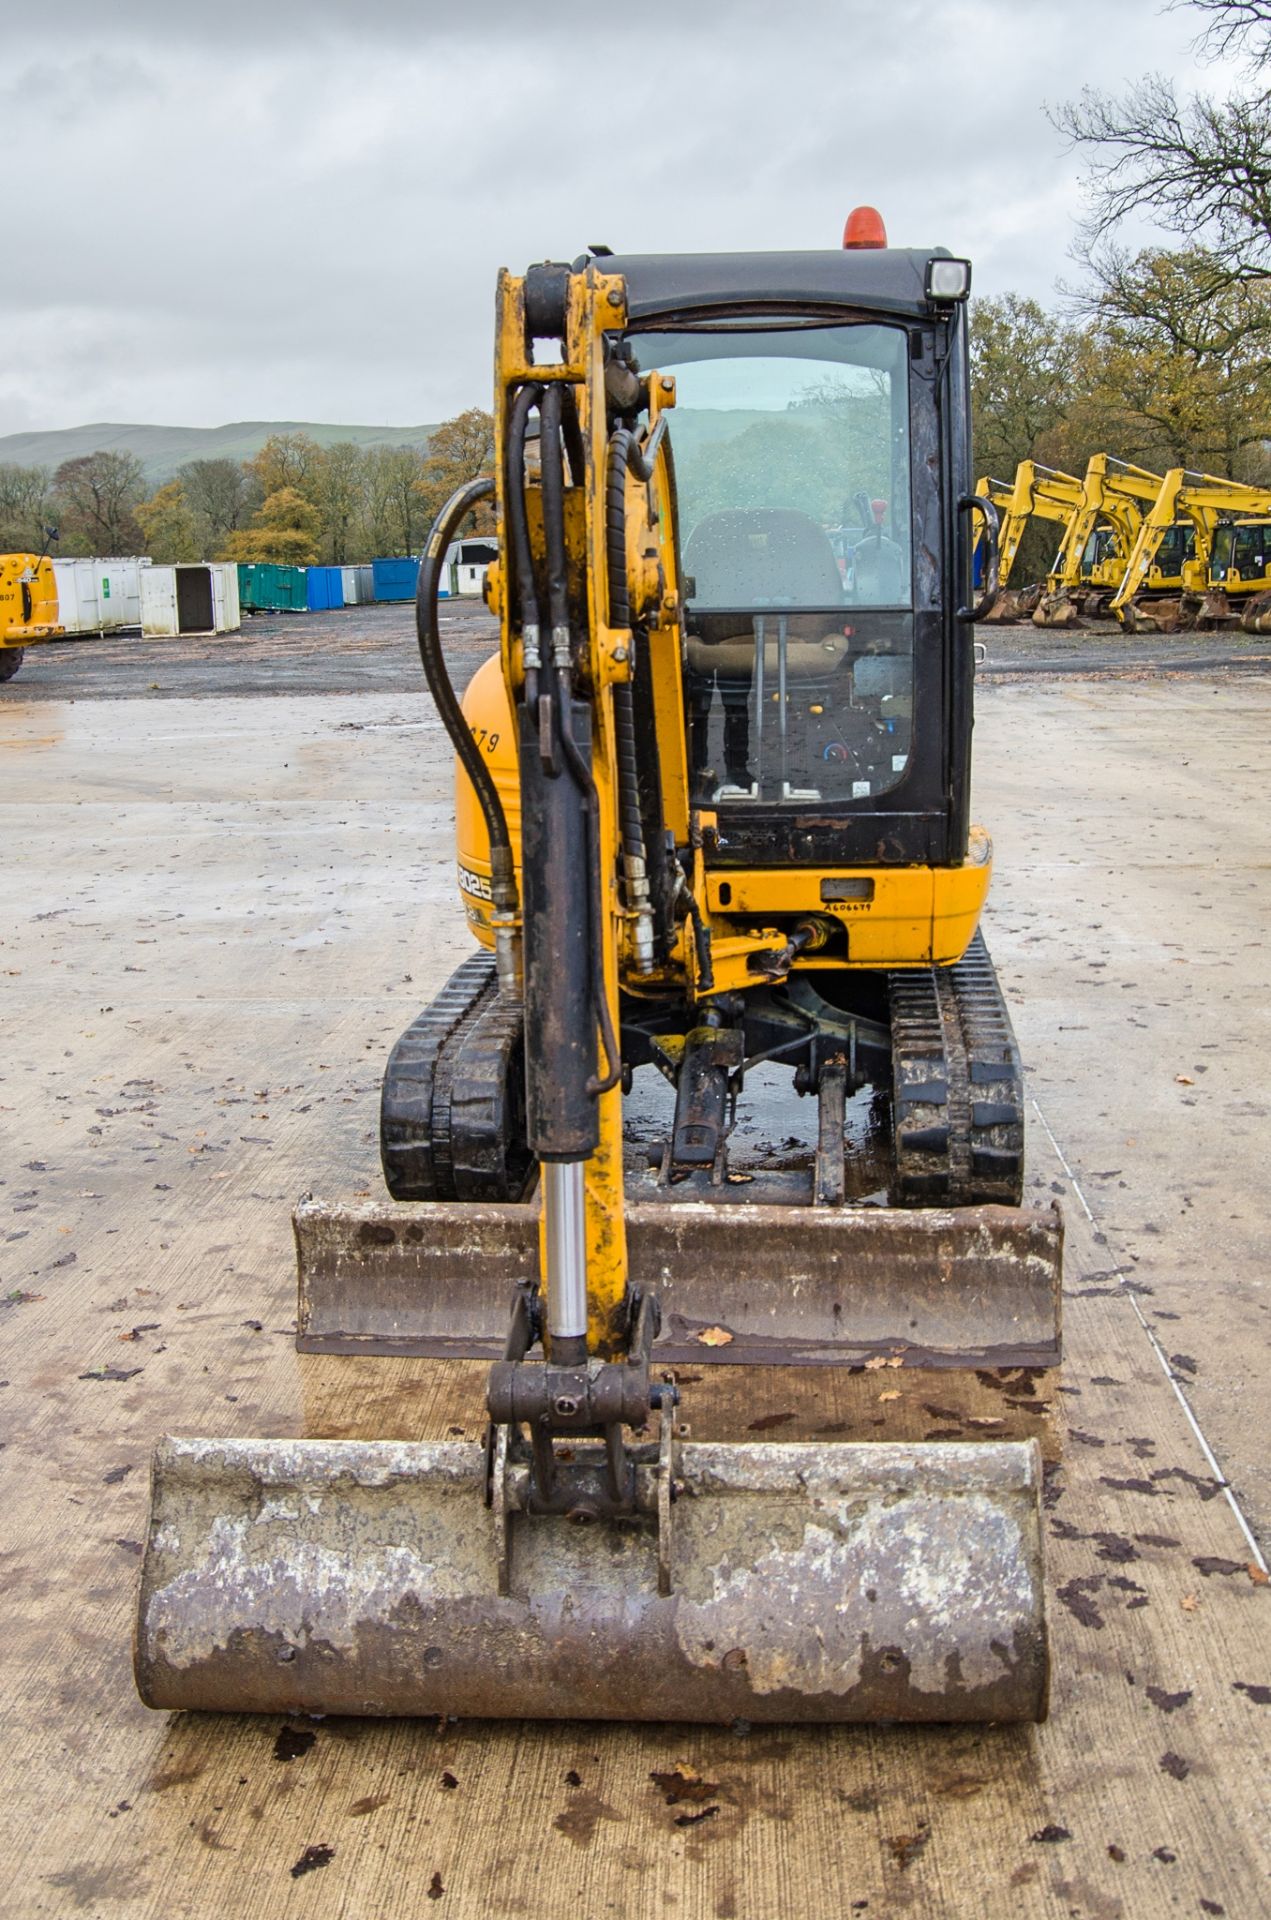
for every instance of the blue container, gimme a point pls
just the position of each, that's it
(324, 587)
(395, 579)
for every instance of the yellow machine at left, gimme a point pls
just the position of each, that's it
(28, 607)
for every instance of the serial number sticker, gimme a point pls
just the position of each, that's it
(477, 884)
(860, 789)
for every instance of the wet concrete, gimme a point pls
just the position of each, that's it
(219, 912)
(373, 648)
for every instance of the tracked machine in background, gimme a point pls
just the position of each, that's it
(1208, 503)
(28, 607)
(713, 818)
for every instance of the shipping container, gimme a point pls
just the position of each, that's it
(395, 579)
(324, 588)
(266, 588)
(189, 599)
(99, 596)
(359, 585)
(229, 613)
(467, 560)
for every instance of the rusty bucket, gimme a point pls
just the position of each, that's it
(790, 1583)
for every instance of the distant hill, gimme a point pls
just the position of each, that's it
(161, 450)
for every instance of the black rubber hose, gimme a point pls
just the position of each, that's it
(552, 468)
(527, 399)
(553, 478)
(445, 527)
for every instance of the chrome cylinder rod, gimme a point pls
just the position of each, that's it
(759, 700)
(566, 1249)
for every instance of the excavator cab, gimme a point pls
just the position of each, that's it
(712, 818)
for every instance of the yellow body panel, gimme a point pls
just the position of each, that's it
(28, 600)
(914, 916)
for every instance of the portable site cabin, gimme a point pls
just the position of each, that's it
(359, 585)
(395, 579)
(467, 560)
(99, 596)
(189, 599)
(266, 588)
(324, 588)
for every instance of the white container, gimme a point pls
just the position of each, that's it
(229, 616)
(467, 561)
(99, 596)
(188, 599)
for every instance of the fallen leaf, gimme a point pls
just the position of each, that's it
(1259, 1575)
(1189, 1603)
(714, 1337)
(1184, 1080)
(684, 1782)
(905, 1847)
(319, 1856)
(892, 1394)
(695, 1819)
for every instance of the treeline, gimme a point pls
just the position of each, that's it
(294, 502)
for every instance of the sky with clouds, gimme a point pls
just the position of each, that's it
(263, 209)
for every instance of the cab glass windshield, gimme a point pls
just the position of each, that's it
(791, 450)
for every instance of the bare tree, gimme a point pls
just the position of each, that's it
(97, 495)
(1201, 166)
(223, 496)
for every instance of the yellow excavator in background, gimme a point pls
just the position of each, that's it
(1203, 499)
(1094, 557)
(713, 802)
(1044, 492)
(28, 607)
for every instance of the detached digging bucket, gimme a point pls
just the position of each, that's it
(806, 1583)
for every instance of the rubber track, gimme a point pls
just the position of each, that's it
(413, 1168)
(957, 1088)
(489, 1152)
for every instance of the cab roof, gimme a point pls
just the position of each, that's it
(669, 286)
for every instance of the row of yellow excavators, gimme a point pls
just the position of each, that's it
(1156, 551)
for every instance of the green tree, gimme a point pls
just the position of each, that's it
(1176, 368)
(285, 530)
(169, 525)
(396, 514)
(96, 496)
(222, 495)
(26, 508)
(1022, 383)
(339, 486)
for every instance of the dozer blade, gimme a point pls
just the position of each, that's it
(798, 1583)
(837, 1286)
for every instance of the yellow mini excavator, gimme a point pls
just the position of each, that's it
(713, 825)
(28, 607)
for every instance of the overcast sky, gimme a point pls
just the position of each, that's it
(295, 209)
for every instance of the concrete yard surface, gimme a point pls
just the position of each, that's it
(220, 911)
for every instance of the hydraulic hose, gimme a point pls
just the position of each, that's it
(561, 673)
(445, 527)
(527, 399)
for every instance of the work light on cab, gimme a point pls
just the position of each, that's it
(948, 279)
